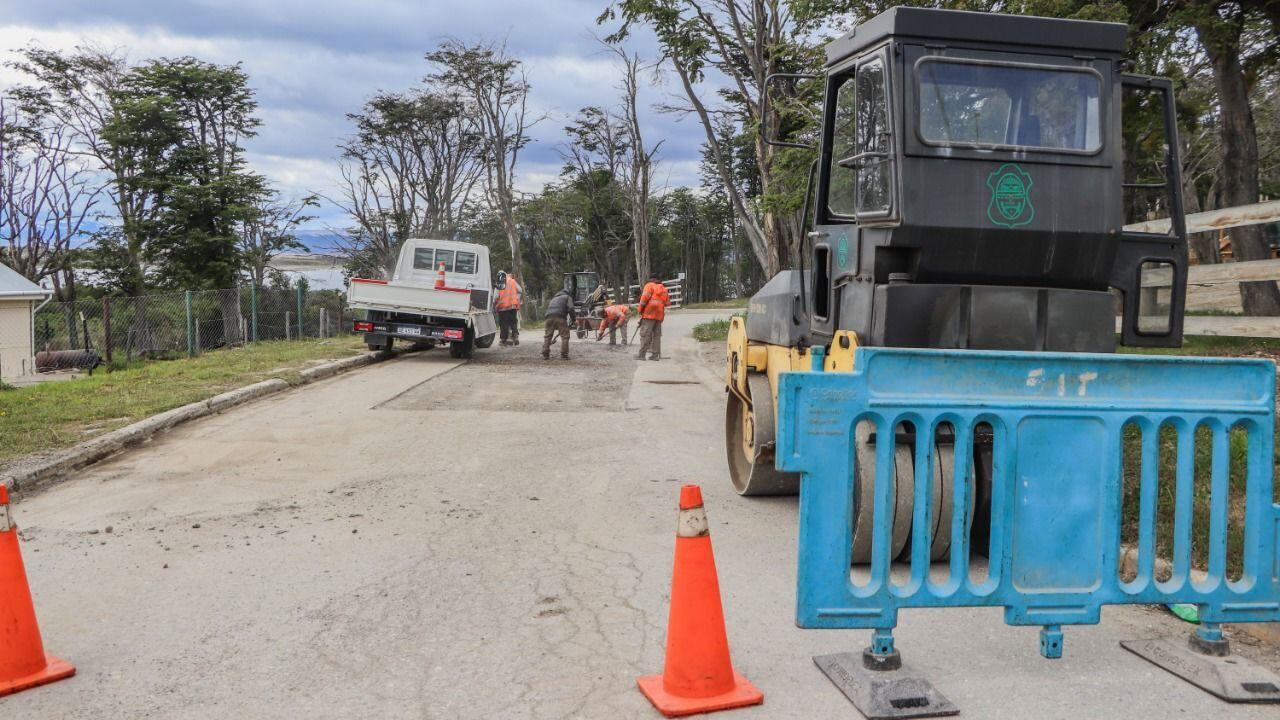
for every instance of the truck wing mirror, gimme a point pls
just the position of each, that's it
(768, 83)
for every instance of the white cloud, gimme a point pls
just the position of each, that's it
(312, 61)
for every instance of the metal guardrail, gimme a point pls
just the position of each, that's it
(1056, 425)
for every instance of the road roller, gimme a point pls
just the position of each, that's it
(982, 182)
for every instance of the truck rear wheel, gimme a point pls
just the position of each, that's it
(463, 349)
(486, 341)
(749, 443)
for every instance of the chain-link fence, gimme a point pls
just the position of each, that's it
(87, 333)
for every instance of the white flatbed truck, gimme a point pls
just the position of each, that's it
(413, 306)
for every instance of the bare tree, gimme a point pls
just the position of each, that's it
(639, 161)
(745, 41)
(496, 90)
(46, 194)
(595, 160)
(271, 230)
(75, 92)
(409, 170)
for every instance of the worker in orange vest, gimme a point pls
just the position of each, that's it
(508, 306)
(615, 318)
(654, 300)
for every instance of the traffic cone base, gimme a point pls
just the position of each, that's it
(743, 694)
(53, 671)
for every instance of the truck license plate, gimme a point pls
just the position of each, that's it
(405, 330)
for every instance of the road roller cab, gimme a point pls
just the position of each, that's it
(971, 191)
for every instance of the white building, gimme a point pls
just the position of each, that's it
(18, 300)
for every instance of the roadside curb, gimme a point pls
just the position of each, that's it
(59, 465)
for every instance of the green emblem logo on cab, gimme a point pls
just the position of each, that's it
(1010, 196)
(842, 250)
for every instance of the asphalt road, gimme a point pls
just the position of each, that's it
(432, 539)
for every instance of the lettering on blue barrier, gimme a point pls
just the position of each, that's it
(1036, 378)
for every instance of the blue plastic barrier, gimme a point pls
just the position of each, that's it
(1057, 424)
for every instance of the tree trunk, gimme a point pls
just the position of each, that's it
(229, 304)
(1239, 158)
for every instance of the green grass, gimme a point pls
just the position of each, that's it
(54, 415)
(714, 331)
(730, 304)
(1166, 472)
(1216, 346)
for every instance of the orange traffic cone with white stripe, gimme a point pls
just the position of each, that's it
(23, 663)
(697, 676)
(440, 278)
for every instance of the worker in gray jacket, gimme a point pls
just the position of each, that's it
(560, 316)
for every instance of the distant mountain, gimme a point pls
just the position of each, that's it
(318, 241)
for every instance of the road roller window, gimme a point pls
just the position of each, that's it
(1155, 308)
(841, 197)
(822, 282)
(990, 105)
(860, 176)
(872, 141)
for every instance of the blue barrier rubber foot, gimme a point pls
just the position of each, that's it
(1051, 641)
(1208, 640)
(878, 662)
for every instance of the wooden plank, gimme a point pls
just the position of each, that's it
(1228, 326)
(1233, 272)
(1255, 214)
(1259, 327)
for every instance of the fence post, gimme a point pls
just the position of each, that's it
(107, 344)
(288, 323)
(301, 295)
(253, 308)
(191, 329)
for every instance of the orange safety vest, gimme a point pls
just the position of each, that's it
(509, 296)
(654, 301)
(615, 316)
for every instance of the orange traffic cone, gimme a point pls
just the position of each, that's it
(23, 663)
(697, 676)
(440, 278)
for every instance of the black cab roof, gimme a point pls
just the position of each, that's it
(959, 26)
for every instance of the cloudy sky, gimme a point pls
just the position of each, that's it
(313, 61)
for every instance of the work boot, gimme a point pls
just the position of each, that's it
(655, 358)
(546, 356)
(515, 341)
(564, 357)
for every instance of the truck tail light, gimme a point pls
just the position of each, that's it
(453, 334)
(364, 326)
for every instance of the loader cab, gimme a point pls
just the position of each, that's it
(982, 183)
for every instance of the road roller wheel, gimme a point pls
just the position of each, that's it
(749, 443)
(941, 498)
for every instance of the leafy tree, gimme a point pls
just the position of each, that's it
(184, 121)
